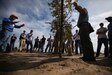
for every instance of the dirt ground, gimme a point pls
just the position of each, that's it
(49, 64)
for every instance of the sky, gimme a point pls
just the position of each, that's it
(35, 13)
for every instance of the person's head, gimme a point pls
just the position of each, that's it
(31, 31)
(50, 36)
(13, 34)
(101, 24)
(13, 17)
(76, 31)
(24, 31)
(109, 19)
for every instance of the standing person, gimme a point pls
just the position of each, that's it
(36, 45)
(52, 46)
(42, 43)
(84, 30)
(102, 39)
(109, 19)
(12, 41)
(77, 42)
(8, 25)
(29, 40)
(22, 40)
(49, 40)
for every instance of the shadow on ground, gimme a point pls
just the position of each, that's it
(10, 63)
(102, 61)
(15, 62)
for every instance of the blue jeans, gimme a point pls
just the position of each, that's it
(5, 40)
(31, 45)
(78, 45)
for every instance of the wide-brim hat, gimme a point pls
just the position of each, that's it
(13, 16)
(109, 19)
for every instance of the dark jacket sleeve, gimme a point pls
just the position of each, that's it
(16, 26)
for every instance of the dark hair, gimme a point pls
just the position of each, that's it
(101, 24)
(24, 31)
(76, 30)
(31, 31)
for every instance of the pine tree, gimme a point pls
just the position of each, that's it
(55, 7)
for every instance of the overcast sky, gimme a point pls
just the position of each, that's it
(34, 14)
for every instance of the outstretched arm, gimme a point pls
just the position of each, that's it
(79, 8)
(16, 26)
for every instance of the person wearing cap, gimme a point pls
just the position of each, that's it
(84, 31)
(22, 39)
(8, 24)
(109, 19)
(102, 39)
(29, 40)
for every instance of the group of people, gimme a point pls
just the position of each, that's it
(26, 40)
(85, 29)
(104, 39)
(82, 38)
(7, 38)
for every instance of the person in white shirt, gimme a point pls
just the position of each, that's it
(102, 39)
(77, 42)
(29, 39)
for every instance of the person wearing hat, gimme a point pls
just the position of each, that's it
(102, 39)
(8, 24)
(109, 19)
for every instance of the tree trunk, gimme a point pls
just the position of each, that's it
(56, 42)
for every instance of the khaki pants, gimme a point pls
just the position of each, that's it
(22, 44)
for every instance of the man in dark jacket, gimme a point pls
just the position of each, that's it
(84, 31)
(109, 19)
(12, 41)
